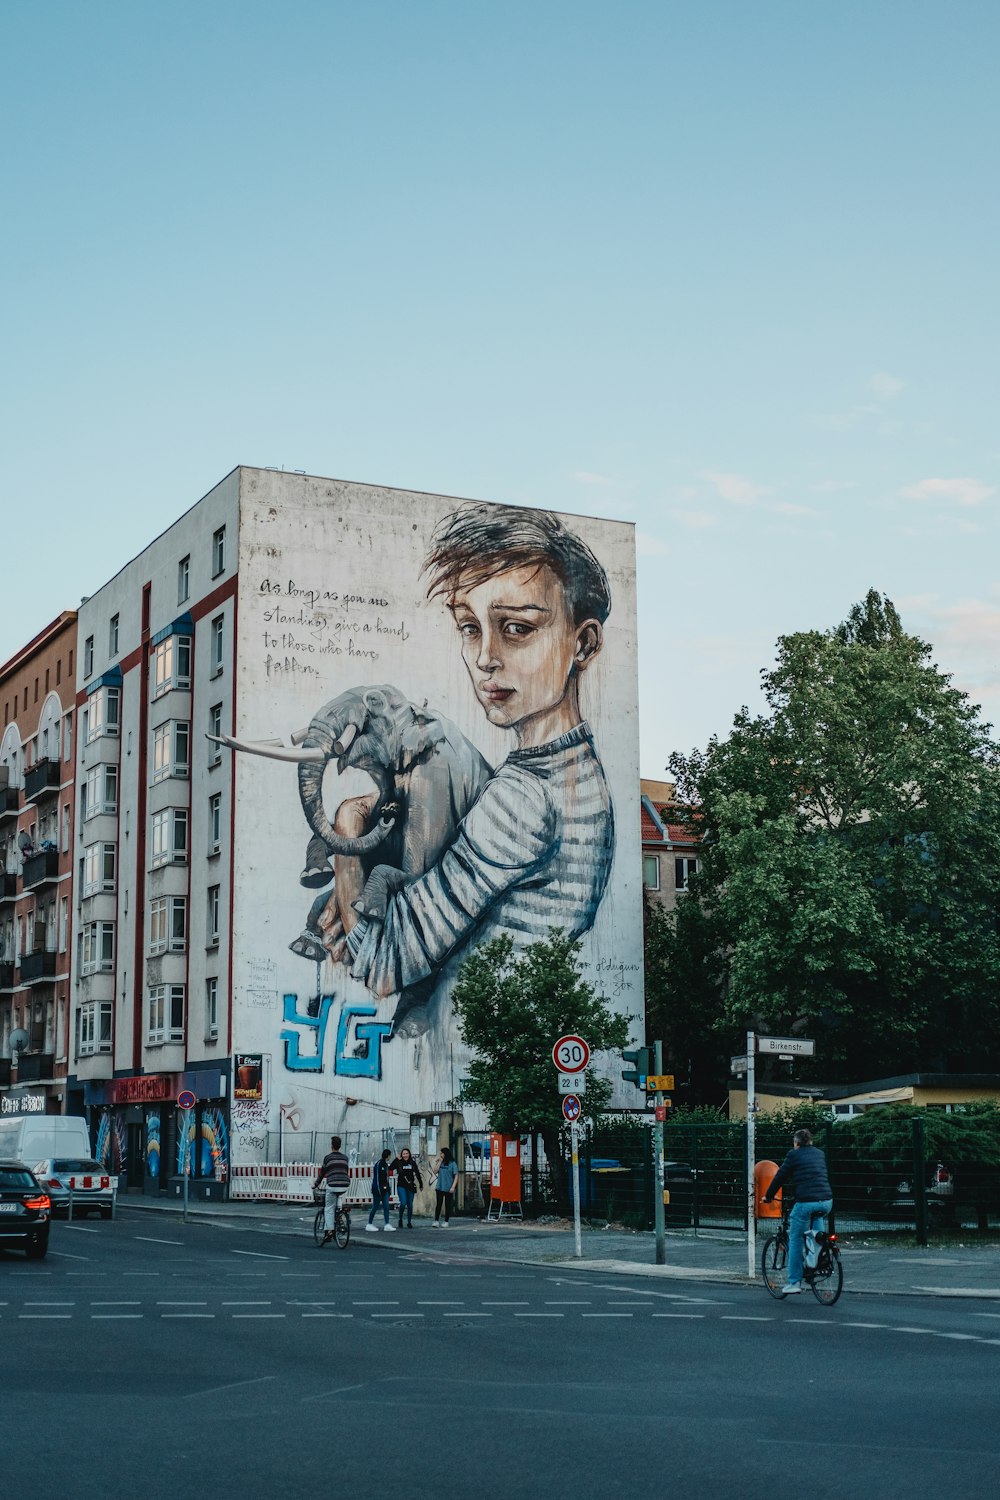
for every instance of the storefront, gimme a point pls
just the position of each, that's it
(141, 1133)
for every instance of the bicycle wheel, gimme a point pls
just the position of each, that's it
(342, 1229)
(828, 1278)
(773, 1263)
(318, 1230)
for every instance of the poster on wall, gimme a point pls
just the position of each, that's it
(436, 727)
(248, 1075)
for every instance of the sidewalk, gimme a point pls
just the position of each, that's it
(967, 1270)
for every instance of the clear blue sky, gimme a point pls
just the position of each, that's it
(725, 269)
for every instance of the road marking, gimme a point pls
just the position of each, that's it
(329, 1315)
(65, 1255)
(562, 1315)
(504, 1304)
(82, 1229)
(50, 1304)
(467, 1315)
(607, 1315)
(568, 1303)
(106, 1317)
(744, 1318)
(675, 1315)
(398, 1315)
(973, 1336)
(243, 1303)
(986, 1315)
(187, 1315)
(455, 1302)
(382, 1302)
(259, 1255)
(26, 1316)
(120, 1303)
(147, 1239)
(257, 1315)
(866, 1325)
(218, 1390)
(898, 1329)
(202, 1303)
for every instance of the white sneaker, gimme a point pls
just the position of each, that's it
(389, 1228)
(371, 1229)
(444, 1223)
(791, 1288)
(435, 1223)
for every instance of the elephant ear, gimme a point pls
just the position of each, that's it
(423, 733)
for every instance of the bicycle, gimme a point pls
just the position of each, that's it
(826, 1278)
(341, 1224)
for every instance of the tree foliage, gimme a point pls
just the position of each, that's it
(512, 1009)
(850, 868)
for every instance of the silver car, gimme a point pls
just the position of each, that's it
(92, 1185)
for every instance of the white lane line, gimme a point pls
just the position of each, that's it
(974, 1336)
(562, 1315)
(675, 1315)
(187, 1315)
(82, 1229)
(330, 1315)
(986, 1315)
(50, 1304)
(897, 1328)
(504, 1304)
(203, 1302)
(744, 1318)
(218, 1390)
(154, 1274)
(259, 1255)
(467, 1315)
(398, 1315)
(108, 1317)
(382, 1302)
(566, 1302)
(65, 1255)
(243, 1302)
(121, 1302)
(26, 1317)
(607, 1315)
(257, 1315)
(454, 1302)
(147, 1239)
(866, 1325)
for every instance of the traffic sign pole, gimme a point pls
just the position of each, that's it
(574, 1141)
(659, 1218)
(751, 1156)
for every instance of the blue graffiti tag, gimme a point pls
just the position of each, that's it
(294, 1060)
(369, 1034)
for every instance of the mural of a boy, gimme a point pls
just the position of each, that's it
(529, 600)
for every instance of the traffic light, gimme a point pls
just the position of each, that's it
(643, 1059)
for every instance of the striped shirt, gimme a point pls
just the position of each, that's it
(534, 852)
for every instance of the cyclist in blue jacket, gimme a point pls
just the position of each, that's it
(805, 1168)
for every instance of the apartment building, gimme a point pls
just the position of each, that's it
(37, 746)
(669, 850)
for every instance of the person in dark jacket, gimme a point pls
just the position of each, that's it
(380, 1195)
(408, 1179)
(805, 1168)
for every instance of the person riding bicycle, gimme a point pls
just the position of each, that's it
(337, 1173)
(805, 1168)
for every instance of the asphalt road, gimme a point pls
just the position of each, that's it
(155, 1358)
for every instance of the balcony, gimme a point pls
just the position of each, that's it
(35, 1067)
(42, 780)
(38, 968)
(40, 869)
(10, 802)
(6, 976)
(8, 888)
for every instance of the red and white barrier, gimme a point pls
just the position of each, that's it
(292, 1183)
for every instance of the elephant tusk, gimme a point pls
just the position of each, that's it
(272, 749)
(346, 740)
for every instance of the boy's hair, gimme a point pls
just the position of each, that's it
(477, 542)
(335, 1142)
(803, 1137)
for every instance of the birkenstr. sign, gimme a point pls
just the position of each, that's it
(150, 1089)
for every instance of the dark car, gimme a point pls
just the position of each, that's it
(24, 1210)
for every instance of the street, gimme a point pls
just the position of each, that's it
(154, 1355)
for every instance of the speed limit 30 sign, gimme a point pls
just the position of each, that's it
(571, 1054)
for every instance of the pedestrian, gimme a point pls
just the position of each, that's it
(447, 1176)
(337, 1174)
(408, 1179)
(380, 1195)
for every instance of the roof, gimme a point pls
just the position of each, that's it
(657, 830)
(899, 1087)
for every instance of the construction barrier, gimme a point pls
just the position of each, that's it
(293, 1183)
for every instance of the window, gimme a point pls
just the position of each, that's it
(683, 870)
(166, 1014)
(113, 636)
(214, 907)
(66, 818)
(219, 552)
(171, 664)
(100, 791)
(215, 823)
(211, 1009)
(103, 713)
(99, 862)
(183, 580)
(168, 924)
(95, 1028)
(218, 625)
(651, 872)
(170, 830)
(97, 948)
(171, 747)
(215, 728)
(88, 656)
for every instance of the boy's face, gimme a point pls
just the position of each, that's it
(519, 642)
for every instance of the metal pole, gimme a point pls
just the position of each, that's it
(751, 1157)
(187, 1159)
(574, 1138)
(658, 1214)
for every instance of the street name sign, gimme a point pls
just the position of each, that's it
(787, 1046)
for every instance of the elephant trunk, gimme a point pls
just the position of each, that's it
(311, 796)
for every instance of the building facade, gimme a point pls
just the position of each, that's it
(669, 850)
(37, 747)
(331, 737)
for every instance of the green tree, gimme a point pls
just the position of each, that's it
(512, 1009)
(850, 867)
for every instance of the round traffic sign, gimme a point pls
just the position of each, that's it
(186, 1100)
(571, 1054)
(571, 1107)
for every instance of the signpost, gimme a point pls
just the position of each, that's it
(186, 1101)
(787, 1046)
(571, 1054)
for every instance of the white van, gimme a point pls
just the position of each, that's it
(31, 1138)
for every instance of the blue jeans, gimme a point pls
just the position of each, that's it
(799, 1220)
(380, 1200)
(406, 1197)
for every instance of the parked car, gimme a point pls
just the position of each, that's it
(93, 1190)
(24, 1210)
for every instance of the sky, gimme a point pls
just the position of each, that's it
(725, 270)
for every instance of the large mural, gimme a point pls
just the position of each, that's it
(448, 774)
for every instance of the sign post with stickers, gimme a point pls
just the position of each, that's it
(571, 1054)
(186, 1102)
